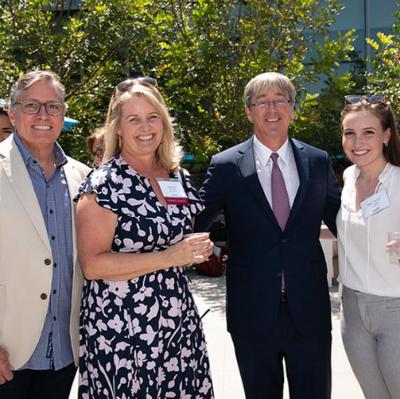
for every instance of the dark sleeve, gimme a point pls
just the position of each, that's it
(99, 182)
(332, 202)
(211, 192)
(195, 202)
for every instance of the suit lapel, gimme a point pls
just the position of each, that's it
(247, 166)
(73, 181)
(302, 163)
(14, 167)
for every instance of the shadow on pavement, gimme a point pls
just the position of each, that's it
(212, 291)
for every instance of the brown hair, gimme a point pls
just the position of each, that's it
(3, 111)
(97, 134)
(383, 111)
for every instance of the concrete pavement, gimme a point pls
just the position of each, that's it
(209, 293)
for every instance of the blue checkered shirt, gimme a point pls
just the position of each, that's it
(53, 350)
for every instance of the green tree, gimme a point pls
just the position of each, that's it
(384, 79)
(87, 47)
(201, 52)
(212, 48)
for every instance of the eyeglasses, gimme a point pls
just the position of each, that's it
(128, 83)
(32, 107)
(371, 99)
(279, 103)
(99, 153)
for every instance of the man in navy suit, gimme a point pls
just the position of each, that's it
(278, 306)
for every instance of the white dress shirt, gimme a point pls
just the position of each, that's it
(363, 259)
(286, 163)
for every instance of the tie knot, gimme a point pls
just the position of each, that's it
(274, 157)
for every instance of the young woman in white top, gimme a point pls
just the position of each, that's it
(370, 210)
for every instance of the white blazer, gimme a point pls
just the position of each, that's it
(26, 263)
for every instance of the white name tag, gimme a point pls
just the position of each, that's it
(173, 191)
(374, 204)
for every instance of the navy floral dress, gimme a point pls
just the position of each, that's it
(142, 338)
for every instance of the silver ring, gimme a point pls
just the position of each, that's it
(194, 254)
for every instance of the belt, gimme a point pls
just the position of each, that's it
(283, 295)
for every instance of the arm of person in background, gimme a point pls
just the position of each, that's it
(212, 195)
(332, 201)
(95, 233)
(325, 233)
(5, 367)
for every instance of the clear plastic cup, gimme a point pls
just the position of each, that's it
(394, 252)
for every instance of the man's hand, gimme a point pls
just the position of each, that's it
(5, 367)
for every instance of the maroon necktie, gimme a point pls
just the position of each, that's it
(280, 198)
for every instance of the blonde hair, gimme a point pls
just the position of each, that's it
(169, 152)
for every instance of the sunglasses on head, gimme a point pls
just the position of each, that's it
(371, 99)
(128, 83)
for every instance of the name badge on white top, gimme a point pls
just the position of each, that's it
(374, 204)
(173, 191)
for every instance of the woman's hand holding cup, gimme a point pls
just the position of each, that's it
(193, 249)
(200, 245)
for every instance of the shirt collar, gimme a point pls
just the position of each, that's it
(263, 153)
(61, 158)
(386, 170)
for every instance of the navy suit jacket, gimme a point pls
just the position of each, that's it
(259, 250)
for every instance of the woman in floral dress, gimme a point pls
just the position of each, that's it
(141, 335)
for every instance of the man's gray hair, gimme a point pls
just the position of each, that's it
(27, 80)
(265, 81)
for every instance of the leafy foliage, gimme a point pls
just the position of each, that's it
(220, 45)
(386, 65)
(86, 47)
(202, 53)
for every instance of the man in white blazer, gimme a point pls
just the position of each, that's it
(40, 279)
